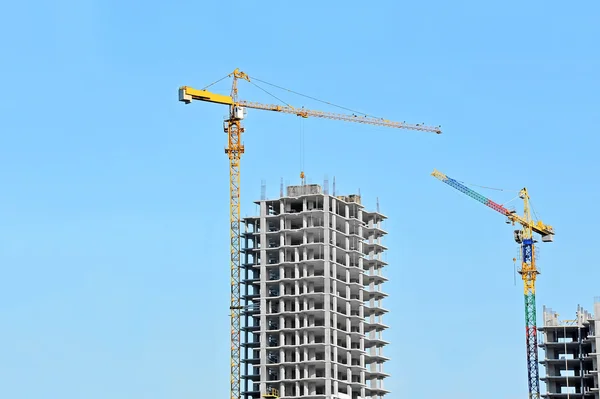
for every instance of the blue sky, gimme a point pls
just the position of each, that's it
(114, 223)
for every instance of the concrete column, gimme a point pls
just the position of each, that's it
(327, 295)
(263, 290)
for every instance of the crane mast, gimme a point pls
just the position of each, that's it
(529, 274)
(528, 269)
(234, 150)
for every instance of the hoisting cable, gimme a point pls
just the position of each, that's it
(489, 188)
(272, 95)
(533, 210)
(510, 200)
(302, 140)
(301, 129)
(312, 98)
(224, 77)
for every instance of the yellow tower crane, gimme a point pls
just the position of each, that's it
(234, 150)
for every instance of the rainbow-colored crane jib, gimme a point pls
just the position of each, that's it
(471, 193)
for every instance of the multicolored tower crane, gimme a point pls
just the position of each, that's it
(528, 270)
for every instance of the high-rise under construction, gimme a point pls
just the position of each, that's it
(313, 313)
(572, 354)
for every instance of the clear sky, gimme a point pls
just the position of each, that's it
(114, 204)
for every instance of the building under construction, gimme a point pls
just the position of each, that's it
(312, 277)
(572, 351)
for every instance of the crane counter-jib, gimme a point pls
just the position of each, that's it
(187, 94)
(547, 232)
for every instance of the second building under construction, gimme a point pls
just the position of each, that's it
(571, 354)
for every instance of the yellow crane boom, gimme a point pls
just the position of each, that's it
(234, 150)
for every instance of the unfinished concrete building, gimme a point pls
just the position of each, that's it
(571, 354)
(312, 324)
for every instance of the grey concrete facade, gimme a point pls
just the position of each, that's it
(571, 357)
(313, 318)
